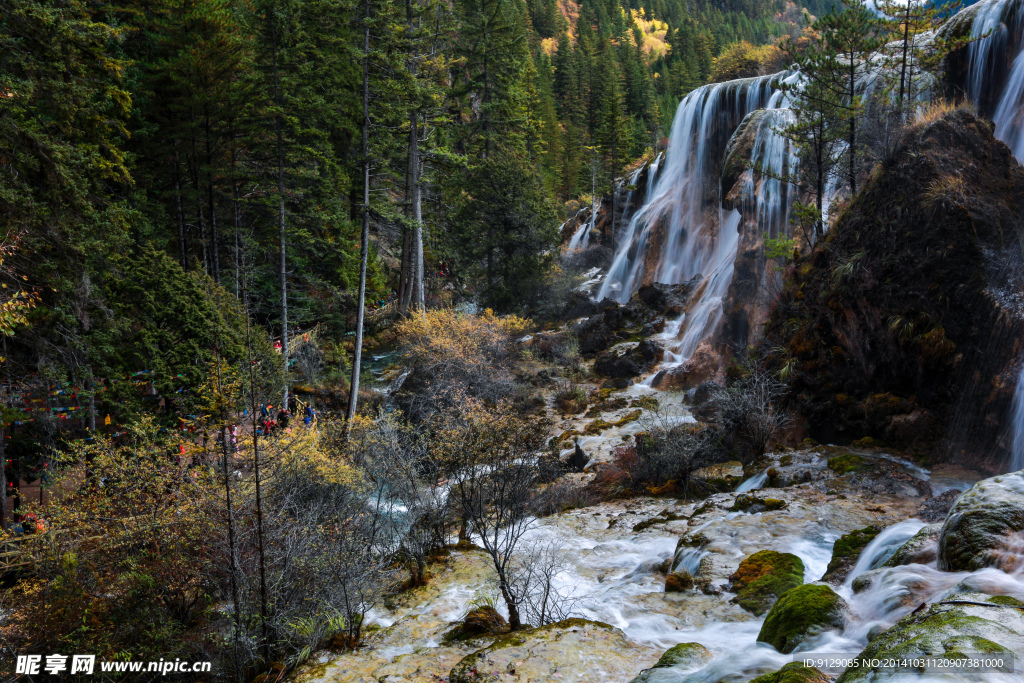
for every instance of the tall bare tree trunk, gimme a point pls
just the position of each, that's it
(415, 165)
(233, 554)
(182, 250)
(236, 218)
(281, 221)
(364, 248)
(419, 295)
(214, 250)
(259, 491)
(406, 274)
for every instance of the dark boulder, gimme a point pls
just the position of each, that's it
(903, 325)
(628, 360)
(664, 299)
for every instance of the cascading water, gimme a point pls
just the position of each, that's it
(682, 232)
(1002, 22)
(681, 196)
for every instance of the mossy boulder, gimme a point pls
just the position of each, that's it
(480, 621)
(750, 503)
(794, 672)
(801, 613)
(677, 582)
(985, 526)
(920, 549)
(764, 577)
(684, 655)
(944, 629)
(645, 402)
(569, 648)
(845, 552)
(484, 619)
(847, 463)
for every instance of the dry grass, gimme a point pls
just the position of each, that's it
(937, 109)
(945, 192)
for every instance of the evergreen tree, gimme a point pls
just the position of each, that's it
(849, 39)
(504, 231)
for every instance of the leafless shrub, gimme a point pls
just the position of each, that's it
(670, 451)
(534, 573)
(495, 487)
(750, 410)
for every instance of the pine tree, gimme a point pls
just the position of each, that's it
(849, 40)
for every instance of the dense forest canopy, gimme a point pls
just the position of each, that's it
(211, 209)
(215, 148)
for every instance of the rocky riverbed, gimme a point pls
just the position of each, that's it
(852, 517)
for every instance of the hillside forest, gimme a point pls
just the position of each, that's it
(297, 350)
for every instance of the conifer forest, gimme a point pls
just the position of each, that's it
(474, 341)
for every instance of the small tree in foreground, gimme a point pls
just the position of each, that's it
(494, 487)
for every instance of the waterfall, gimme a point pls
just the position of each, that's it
(1003, 23)
(1009, 116)
(674, 220)
(581, 238)
(633, 180)
(983, 54)
(709, 251)
(754, 482)
(1017, 425)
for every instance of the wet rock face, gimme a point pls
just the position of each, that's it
(935, 509)
(627, 360)
(801, 614)
(988, 627)
(920, 549)
(574, 650)
(705, 366)
(665, 299)
(938, 372)
(687, 656)
(765, 576)
(643, 316)
(985, 528)
(845, 552)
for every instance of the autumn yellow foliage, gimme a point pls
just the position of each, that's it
(443, 339)
(743, 60)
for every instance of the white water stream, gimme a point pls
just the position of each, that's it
(612, 571)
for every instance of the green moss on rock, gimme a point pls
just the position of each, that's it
(1007, 600)
(763, 577)
(794, 672)
(646, 402)
(942, 630)
(677, 582)
(684, 654)
(846, 550)
(847, 463)
(801, 613)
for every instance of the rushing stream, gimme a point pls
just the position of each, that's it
(613, 572)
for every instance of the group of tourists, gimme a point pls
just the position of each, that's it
(382, 303)
(269, 422)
